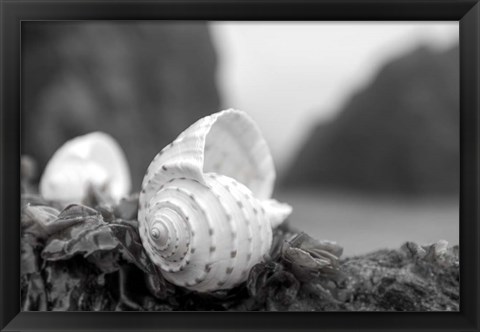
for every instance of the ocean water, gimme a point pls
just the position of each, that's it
(362, 223)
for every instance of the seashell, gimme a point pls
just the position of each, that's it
(92, 160)
(205, 215)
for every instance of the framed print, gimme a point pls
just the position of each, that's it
(239, 165)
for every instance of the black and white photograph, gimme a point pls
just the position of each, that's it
(240, 166)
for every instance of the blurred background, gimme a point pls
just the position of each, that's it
(362, 118)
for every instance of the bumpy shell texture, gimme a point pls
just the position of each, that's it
(205, 215)
(94, 159)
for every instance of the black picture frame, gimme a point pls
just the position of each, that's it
(13, 12)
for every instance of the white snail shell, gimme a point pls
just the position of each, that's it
(205, 215)
(93, 159)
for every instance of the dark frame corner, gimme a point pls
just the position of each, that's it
(13, 12)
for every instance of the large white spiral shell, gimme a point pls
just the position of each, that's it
(205, 215)
(93, 159)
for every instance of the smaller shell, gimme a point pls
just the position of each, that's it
(94, 159)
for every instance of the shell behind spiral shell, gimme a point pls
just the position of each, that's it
(94, 159)
(205, 215)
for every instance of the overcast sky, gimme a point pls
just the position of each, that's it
(290, 75)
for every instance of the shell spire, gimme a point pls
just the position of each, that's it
(205, 214)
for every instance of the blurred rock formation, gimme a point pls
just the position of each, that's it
(143, 83)
(400, 134)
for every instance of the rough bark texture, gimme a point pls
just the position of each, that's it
(393, 280)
